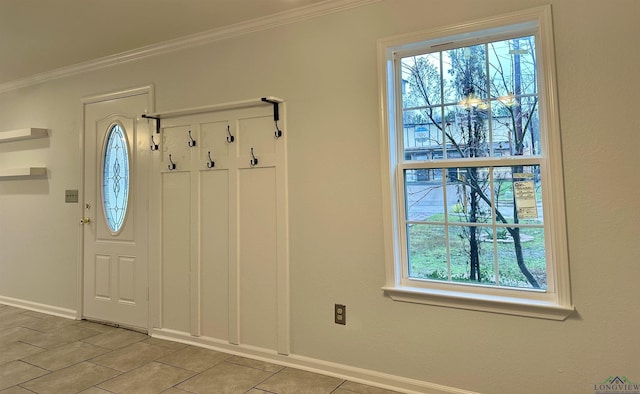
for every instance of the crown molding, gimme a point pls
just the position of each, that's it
(235, 30)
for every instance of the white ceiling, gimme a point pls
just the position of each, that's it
(37, 36)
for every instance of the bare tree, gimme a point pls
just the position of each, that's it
(467, 131)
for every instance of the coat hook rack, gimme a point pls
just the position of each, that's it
(157, 119)
(210, 163)
(254, 160)
(276, 115)
(154, 146)
(192, 142)
(172, 165)
(230, 138)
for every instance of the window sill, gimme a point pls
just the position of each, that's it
(480, 302)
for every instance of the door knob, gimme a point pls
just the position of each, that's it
(85, 221)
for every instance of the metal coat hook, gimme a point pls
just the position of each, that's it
(210, 163)
(154, 146)
(278, 132)
(172, 165)
(254, 160)
(192, 142)
(276, 114)
(230, 138)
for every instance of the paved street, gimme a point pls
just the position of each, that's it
(425, 199)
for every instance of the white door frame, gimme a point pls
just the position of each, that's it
(146, 89)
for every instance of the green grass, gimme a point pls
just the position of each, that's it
(427, 255)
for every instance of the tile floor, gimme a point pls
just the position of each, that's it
(47, 354)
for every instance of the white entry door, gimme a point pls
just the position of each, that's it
(115, 222)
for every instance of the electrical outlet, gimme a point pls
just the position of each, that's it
(340, 314)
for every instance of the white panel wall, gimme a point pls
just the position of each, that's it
(176, 251)
(326, 70)
(231, 223)
(257, 257)
(214, 248)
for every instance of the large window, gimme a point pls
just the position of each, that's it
(475, 201)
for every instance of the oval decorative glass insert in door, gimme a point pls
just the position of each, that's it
(115, 178)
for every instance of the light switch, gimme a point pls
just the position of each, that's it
(71, 195)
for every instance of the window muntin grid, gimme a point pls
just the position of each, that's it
(444, 226)
(494, 83)
(462, 223)
(552, 302)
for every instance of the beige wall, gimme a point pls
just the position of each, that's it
(325, 68)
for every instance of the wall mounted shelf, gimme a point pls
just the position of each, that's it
(22, 134)
(23, 173)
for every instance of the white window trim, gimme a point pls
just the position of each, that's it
(554, 303)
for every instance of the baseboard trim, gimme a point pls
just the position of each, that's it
(347, 372)
(38, 307)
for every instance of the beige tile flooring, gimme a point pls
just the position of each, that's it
(46, 354)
